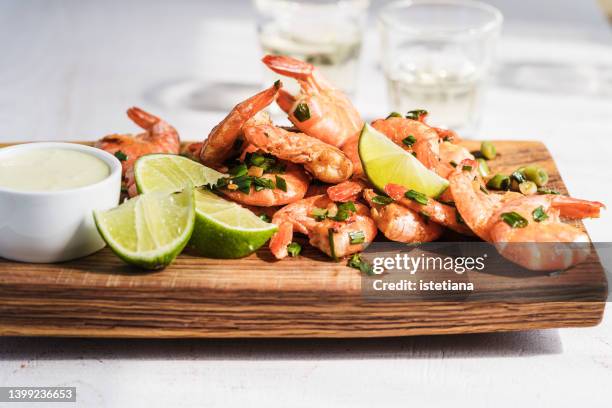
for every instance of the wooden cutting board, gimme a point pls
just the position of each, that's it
(308, 296)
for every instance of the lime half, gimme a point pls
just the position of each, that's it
(149, 230)
(170, 172)
(224, 229)
(385, 162)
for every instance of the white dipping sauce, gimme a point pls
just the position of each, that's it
(51, 170)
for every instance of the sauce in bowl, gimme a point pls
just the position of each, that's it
(51, 169)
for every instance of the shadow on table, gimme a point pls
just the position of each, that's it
(515, 344)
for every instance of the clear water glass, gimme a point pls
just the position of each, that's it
(436, 55)
(325, 33)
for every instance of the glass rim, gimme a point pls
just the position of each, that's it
(296, 4)
(494, 22)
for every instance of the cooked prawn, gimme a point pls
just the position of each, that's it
(296, 181)
(319, 110)
(540, 222)
(325, 162)
(401, 224)
(346, 191)
(437, 212)
(222, 140)
(159, 137)
(330, 236)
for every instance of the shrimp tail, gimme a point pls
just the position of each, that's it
(281, 239)
(288, 66)
(345, 191)
(575, 208)
(395, 191)
(143, 119)
(285, 100)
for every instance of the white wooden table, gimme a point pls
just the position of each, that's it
(69, 70)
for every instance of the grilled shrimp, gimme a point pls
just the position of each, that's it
(159, 137)
(437, 212)
(319, 110)
(222, 140)
(401, 224)
(518, 225)
(424, 141)
(296, 181)
(330, 236)
(325, 162)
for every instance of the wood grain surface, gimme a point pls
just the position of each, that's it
(308, 296)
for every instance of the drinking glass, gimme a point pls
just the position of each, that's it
(436, 55)
(325, 33)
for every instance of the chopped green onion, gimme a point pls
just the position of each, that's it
(319, 214)
(357, 237)
(265, 217)
(382, 200)
(453, 163)
(416, 114)
(414, 154)
(302, 112)
(499, 182)
(518, 176)
(548, 191)
(332, 248)
(416, 196)
(243, 183)
(344, 210)
(528, 188)
(239, 170)
(256, 159)
(488, 151)
(120, 155)
(356, 262)
(466, 168)
(409, 141)
(483, 167)
(514, 219)
(263, 182)
(281, 183)
(539, 214)
(394, 115)
(294, 249)
(536, 174)
(484, 190)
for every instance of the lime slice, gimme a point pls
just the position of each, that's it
(385, 162)
(170, 172)
(224, 229)
(149, 230)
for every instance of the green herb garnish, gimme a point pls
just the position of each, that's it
(356, 262)
(319, 214)
(548, 191)
(302, 112)
(332, 248)
(409, 141)
(265, 218)
(120, 155)
(281, 183)
(539, 214)
(357, 237)
(394, 115)
(262, 183)
(466, 168)
(294, 249)
(382, 200)
(514, 219)
(239, 170)
(416, 196)
(416, 114)
(344, 211)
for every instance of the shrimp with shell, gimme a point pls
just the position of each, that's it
(527, 230)
(325, 162)
(158, 137)
(320, 110)
(337, 229)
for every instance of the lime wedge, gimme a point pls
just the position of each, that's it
(224, 229)
(149, 230)
(170, 172)
(385, 162)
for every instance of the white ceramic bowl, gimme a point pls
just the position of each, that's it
(55, 226)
